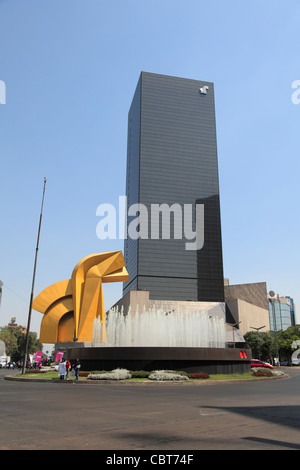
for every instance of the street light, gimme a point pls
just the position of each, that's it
(257, 329)
(33, 279)
(272, 300)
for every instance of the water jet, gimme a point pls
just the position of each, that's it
(193, 340)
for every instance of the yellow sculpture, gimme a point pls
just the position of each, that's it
(70, 306)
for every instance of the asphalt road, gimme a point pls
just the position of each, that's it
(262, 415)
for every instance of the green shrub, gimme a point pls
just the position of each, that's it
(140, 374)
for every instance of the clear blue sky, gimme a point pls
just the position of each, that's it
(71, 68)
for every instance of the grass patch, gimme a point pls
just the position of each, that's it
(46, 375)
(246, 375)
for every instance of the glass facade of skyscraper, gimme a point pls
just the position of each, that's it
(282, 316)
(172, 159)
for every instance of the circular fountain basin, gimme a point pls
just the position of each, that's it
(188, 359)
(191, 341)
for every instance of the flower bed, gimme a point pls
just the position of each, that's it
(157, 375)
(262, 373)
(35, 371)
(199, 375)
(116, 374)
(167, 375)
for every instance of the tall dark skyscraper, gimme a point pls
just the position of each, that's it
(172, 159)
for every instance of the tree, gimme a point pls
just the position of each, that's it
(253, 342)
(285, 341)
(263, 344)
(268, 348)
(10, 339)
(14, 341)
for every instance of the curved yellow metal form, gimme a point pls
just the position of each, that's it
(70, 306)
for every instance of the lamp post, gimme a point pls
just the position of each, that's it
(33, 280)
(272, 300)
(257, 329)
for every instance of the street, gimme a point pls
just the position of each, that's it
(261, 415)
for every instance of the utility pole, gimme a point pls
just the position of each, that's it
(33, 280)
(272, 300)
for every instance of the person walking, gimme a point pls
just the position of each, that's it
(62, 369)
(76, 366)
(68, 365)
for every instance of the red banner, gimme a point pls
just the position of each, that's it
(37, 357)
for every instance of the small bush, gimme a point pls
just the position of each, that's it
(116, 374)
(144, 374)
(140, 374)
(167, 375)
(277, 373)
(179, 372)
(199, 375)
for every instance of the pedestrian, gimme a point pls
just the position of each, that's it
(62, 369)
(76, 366)
(68, 365)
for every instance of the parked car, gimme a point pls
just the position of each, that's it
(257, 363)
(284, 363)
(3, 362)
(10, 365)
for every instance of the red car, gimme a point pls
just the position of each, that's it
(257, 363)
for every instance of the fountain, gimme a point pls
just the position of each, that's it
(156, 328)
(184, 338)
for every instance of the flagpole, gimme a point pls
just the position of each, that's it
(33, 280)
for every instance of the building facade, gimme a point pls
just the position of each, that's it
(282, 313)
(247, 306)
(172, 160)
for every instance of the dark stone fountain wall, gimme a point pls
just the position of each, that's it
(209, 360)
